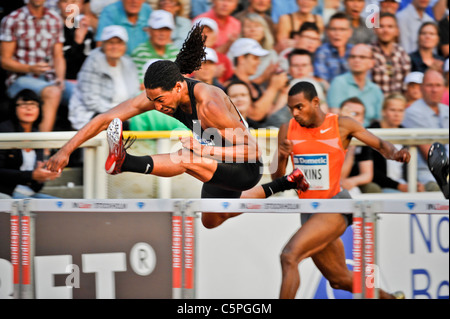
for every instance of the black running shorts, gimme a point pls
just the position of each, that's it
(231, 179)
(344, 194)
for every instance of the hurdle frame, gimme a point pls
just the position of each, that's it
(184, 239)
(27, 210)
(365, 211)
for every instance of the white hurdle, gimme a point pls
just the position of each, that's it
(24, 216)
(364, 227)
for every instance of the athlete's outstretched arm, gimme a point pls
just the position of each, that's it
(284, 151)
(385, 148)
(124, 111)
(215, 112)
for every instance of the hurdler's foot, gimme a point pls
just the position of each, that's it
(117, 148)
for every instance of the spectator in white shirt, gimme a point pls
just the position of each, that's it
(409, 21)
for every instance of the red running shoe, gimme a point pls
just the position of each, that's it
(297, 176)
(117, 149)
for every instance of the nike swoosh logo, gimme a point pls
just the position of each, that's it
(148, 167)
(324, 131)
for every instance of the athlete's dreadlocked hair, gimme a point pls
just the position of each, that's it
(166, 74)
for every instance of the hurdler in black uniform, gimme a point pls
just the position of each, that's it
(230, 179)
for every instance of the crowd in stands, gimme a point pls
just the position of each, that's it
(384, 62)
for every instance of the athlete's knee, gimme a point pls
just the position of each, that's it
(183, 158)
(211, 221)
(288, 258)
(343, 282)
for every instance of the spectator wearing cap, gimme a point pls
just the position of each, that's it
(207, 73)
(410, 20)
(108, 77)
(159, 46)
(210, 31)
(428, 112)
(182, 24)
(412, 84)
(229, 27)
(392, 63)
(132, 15)
(246, 54)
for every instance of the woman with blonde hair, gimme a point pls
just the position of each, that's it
(390, 175)
(255, 27)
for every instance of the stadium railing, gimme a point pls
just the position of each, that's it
(95, 177)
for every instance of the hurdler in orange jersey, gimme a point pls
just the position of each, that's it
(316, 142)
(319, 153)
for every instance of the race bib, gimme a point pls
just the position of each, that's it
(197, 134)
(316, 169)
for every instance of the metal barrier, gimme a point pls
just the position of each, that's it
(94, 175)
(95, 178)
(105, 248)
(51, 237)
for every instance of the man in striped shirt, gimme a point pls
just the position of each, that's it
(32, 52)
(160, 46)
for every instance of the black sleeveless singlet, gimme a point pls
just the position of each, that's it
(230, 179)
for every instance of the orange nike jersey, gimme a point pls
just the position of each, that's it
(319, 153)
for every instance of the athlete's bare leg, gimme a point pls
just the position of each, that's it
(183, 161)
(167, 165)
(295, 180)
(213, 220)
(316, 234)
(331, 263)
(319, 238)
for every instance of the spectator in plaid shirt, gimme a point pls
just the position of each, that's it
(392, 62)
(331, 57)
(32, 52)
